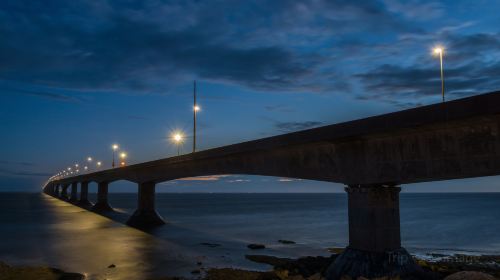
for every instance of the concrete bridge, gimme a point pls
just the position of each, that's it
(371, 156)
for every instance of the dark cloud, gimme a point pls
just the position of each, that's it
(150, 45)
(296, 126)
(471, 66)
(50, 95)
(401, 84)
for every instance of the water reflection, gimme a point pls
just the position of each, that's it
(74, 239)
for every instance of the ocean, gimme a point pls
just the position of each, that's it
(213, 230)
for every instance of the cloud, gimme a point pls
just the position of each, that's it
(279, 46)
(150, 46)
(24, 173)
(416, 10)
(204, 178)
(389, 82)
(50, 95)
(471, 66)
(239, 181)
(295, 126)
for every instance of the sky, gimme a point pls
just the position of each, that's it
(77, 76)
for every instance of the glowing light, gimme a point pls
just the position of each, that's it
(99, 163)
(196, 108)
(85, 167)
(76, 165)
(115, 147)
(69, 168)
(122, 163)
(123, 155)
(89, 159)
(438, 50)
(177, 137)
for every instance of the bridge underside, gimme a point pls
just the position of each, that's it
(459, 139)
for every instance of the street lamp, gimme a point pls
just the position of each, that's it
(196, 109)
(99, 164)
(123, 155)
(439, 51)
(89, 162)
(114, 147)
(177, 138)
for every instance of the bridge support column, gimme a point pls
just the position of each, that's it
(74, 192)
(102, 204)
(55, 190)
(49, 189)
(84, 195)
(146, 215)
(64, 192)
(374, 236)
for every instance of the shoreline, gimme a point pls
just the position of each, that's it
(437, 266)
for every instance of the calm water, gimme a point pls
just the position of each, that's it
(38, 229)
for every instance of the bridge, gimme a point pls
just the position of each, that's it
(371, 156)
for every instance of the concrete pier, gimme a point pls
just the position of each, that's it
(74, 192)
(84, 195)
(64, 192)
(146, 215)
(374, 235)
(102, 203)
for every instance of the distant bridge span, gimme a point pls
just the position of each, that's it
(372, 156)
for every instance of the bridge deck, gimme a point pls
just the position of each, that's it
(486, 106)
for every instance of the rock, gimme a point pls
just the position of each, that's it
(256, 246)
(112, 265)
(274, 261)
(230, 273)
(305, 266)
(470, 275)
(336, 250)
(283, 241)
(316, 276)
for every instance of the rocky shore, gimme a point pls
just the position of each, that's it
(39, 273)
(436, 267)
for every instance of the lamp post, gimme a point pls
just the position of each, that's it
(177, 137)
(89, 160)
(439, 51)
(98, 164)
(196, 108)
(114, 147)
(123, 155)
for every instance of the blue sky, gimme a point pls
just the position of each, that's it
(77, 76)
